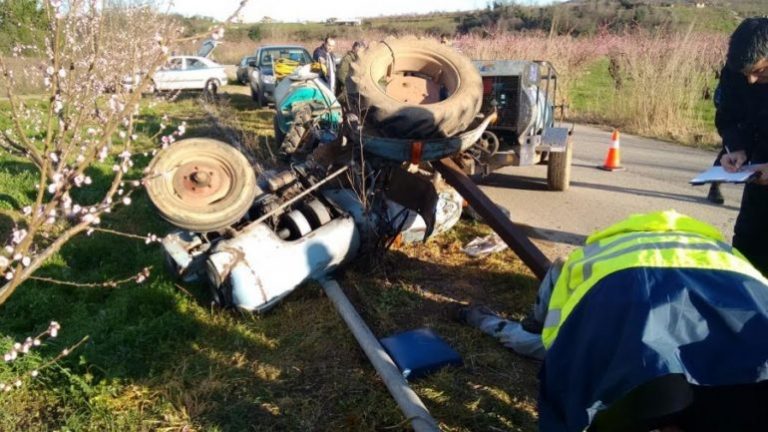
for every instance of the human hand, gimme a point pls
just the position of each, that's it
(733, 161)
(762, 175)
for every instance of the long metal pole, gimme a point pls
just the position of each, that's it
(406, 398)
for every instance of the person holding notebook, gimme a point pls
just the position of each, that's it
(742, 122)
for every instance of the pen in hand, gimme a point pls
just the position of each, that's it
(732, 162)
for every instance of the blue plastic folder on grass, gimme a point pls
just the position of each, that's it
(420, 352)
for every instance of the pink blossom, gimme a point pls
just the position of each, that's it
(18, 235)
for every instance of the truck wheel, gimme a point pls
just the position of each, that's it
(415, 88)
(559, 168)
(279, 135)
(256, 97)
(201, 184)
(212, 88)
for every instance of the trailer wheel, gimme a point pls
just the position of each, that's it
(415, 88)
(559, 168)
(201, 184)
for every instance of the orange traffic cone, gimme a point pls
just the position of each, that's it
(613, 158)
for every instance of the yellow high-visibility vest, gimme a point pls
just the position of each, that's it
(657, 240)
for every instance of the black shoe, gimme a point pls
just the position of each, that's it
(472, 315)
(458, 312)
(532, 326)
(714, 195)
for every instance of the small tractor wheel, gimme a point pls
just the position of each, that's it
(294, 139)
(559, 168)
(201, 184)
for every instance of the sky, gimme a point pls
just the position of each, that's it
(318, 10)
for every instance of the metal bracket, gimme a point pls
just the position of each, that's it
(554, 139)
(528, 150)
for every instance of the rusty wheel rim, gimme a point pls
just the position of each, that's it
(202, 183)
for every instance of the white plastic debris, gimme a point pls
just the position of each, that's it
(482, 246)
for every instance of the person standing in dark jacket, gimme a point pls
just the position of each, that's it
(742, 122)
(324, 55)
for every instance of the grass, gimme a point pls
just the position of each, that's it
(161, 357)
(594, 98)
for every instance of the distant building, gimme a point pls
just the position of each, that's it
(352, 22)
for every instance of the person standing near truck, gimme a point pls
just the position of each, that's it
(341, 76)
(742, 122)
(324, 55)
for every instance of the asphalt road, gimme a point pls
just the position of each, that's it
(656, 178)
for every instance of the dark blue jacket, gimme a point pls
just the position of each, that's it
(742, 115)
(643, 323)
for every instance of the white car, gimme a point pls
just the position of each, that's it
(189, 73)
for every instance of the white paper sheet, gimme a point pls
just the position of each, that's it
(720, 175)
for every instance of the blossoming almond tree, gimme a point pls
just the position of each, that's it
(86, 118)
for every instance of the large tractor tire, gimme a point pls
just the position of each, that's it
(415, 88)
(201, 184)
(559, 168)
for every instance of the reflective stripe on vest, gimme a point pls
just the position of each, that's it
(668, 247)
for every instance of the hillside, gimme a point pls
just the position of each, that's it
(575, 17)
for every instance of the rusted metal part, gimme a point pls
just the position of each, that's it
(413, 89)
(306, 192)
(201, 183)
(402, 150)
(512, 234)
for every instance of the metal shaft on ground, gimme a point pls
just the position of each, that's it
(410, 404)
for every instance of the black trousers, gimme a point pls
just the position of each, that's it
(671, 400)
(751, 232)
